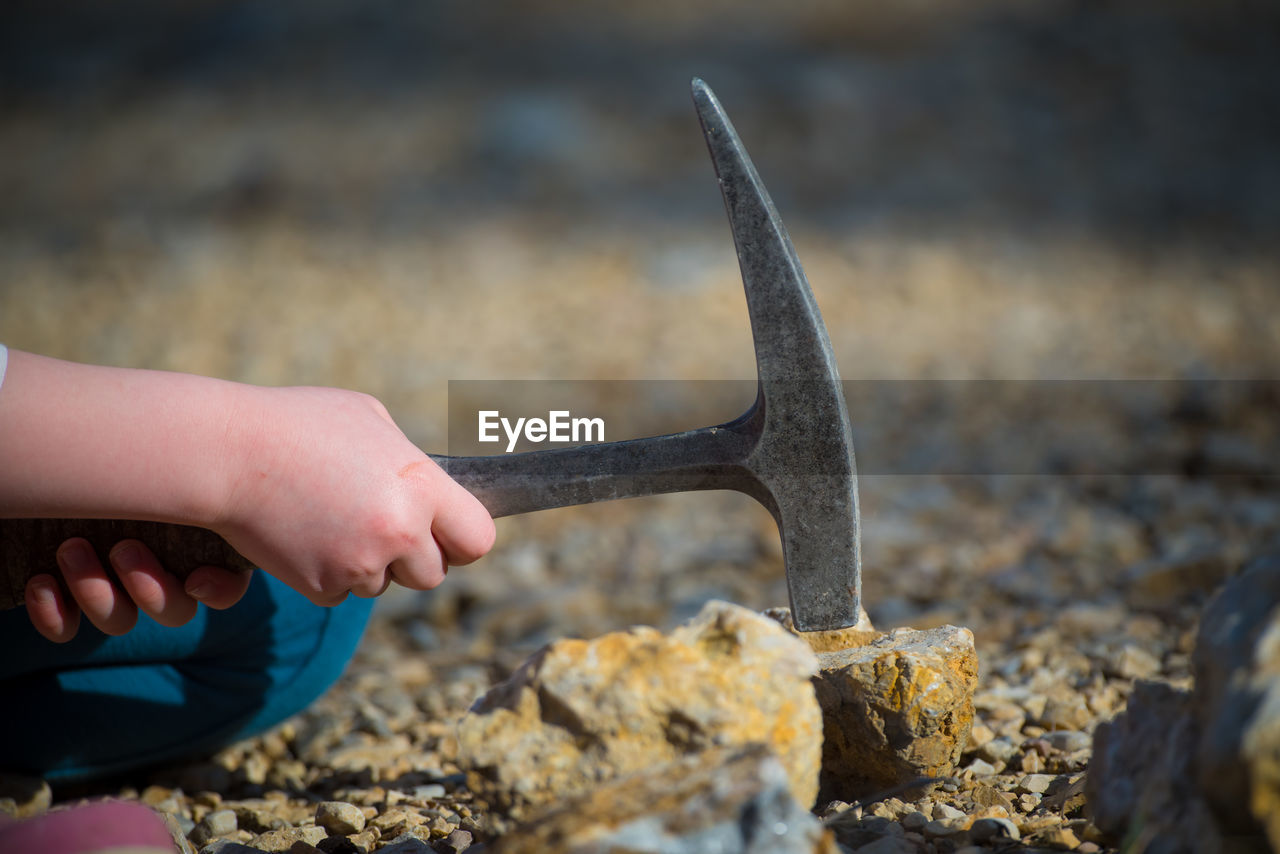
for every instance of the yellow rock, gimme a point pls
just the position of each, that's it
(896, 709)
(580, 713)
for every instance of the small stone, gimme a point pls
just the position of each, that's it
(340, 818)
(941, 828)
(1035, 783)
(1065, 711)
(215, 824)
(406, 845)
(580, 713)
(985, 829)
(282, 840)
(301, 847)
(429, 792)
(258, 820)
(979, 735)
(1131, 662)
(1068, 740)
(989, 796)
(914, 821)
(946, 811)
(179, 827)
(227, 846)
(1000, 750)
(1059, 837)
(455, 843)
(982, 768)
(367, 838)
(895, 710)
(29, 795)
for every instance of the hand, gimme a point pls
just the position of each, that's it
(328, 495)
(113, 610)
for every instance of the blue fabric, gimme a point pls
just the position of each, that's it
(104, 705)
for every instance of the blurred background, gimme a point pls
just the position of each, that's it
(391, 195)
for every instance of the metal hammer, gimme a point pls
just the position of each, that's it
(792, 450)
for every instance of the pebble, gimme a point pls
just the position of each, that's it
(282, 840)
(215, 824)
(340, 818)
(1035, 783)
(993, 828)
(406, 845)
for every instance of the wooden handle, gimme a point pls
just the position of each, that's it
(28, 547)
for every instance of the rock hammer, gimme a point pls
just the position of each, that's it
(792, 450)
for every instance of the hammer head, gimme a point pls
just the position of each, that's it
(801, 467)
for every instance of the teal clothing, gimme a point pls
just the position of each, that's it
(102, 705)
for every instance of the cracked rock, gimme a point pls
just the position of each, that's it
(895, 709)
(579, 714)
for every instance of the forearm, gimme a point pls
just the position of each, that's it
(89, 441)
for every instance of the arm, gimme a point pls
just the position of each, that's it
(316, 486)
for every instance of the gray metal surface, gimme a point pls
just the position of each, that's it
(792, 450)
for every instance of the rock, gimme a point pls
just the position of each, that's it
(1034, 783)
(216, 823)
(1132, 662)
(22, 796)
(1059, 837)
(406, 845)
(732, 800)
(1196, 770)
(339, 818)
(226, 846)
(581, 713)
(282, 840)
(1236, 701)
(985, 829)
(455, 843)
(258, 820)
(895, 710)
(981, 768)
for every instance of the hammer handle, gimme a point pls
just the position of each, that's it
(28, 547)
(506, 484)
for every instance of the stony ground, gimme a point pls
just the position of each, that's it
(388, 207)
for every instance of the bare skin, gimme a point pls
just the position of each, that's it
(317, 486)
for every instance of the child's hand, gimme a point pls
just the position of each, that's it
(316, 486)
(331, 498)
(147, 587)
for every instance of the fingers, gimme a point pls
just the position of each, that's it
(101, 601)
(49, 611)
(217, 587)
(159, 594)
(423, 570)
(143, 585)
(463, 528)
